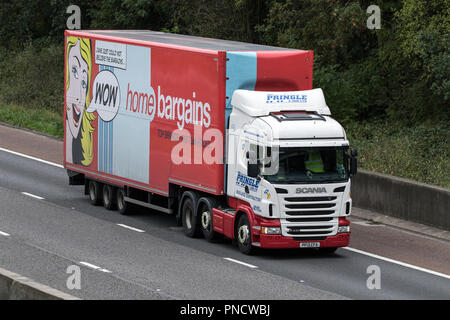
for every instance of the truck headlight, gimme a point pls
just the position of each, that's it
(270, 230)
(343, 229)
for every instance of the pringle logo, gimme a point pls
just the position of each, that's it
(183, 110)
(286, 98)
(243, 180)
(311, 190)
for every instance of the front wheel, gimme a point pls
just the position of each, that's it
(244, 236)
(327, 250)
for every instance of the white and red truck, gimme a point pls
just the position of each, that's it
(229, 137)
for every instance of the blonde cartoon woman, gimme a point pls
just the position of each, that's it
(79, 126)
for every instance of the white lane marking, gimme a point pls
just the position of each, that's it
(4, 234)
(403, 264)
(32, 158)
(243, 263)
(32, 195)
(131, 228)
(92, 266)
(368, 224)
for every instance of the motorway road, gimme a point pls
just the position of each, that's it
(41, 237)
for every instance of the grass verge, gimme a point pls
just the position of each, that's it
(41, 120)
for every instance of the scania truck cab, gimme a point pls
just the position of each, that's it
(291, 163)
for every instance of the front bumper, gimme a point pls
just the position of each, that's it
(282, 242)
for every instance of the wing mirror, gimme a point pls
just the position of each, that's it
(252, 164)
(252, 170)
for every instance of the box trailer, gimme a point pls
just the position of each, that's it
(229, 137)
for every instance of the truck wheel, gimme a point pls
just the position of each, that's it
(327, 250)
(191, 225)
(206, 219)
(244, 235)
(122, 205)
(94, 192)
(109, 195)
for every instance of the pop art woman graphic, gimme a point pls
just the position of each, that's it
(79, 122)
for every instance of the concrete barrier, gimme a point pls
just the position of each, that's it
(16, 287)
(402, 198)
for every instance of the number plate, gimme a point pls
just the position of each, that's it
(310, 245)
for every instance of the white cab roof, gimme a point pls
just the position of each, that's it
(262, 103)
(325, 129)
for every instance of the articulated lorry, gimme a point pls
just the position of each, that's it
(228, 137)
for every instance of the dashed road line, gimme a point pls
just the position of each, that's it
(92, 266)
(32, 195)
(130, 228)
(242, 263)
(4, 234)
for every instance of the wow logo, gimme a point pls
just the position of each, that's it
(106, 96)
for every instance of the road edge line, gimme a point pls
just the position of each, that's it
(403, 264)
(32, 158)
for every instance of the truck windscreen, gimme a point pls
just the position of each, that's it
(310, 165)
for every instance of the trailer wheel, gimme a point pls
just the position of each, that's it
(94, 192)
(122, 205)
(206, 218)
(191, 225)
(109, 197)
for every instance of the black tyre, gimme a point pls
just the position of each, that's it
(122, 205)
(191, 225)
(244, 235)
(109, 197)
(327, 251)
(94, 192)
(206, 218)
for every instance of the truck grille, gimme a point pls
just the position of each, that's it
(309, 217)
(310, 199)
(310, 230)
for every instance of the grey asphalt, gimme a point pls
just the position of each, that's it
(47, 236)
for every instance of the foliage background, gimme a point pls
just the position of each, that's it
(390, 87)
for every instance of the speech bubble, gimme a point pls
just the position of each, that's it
(106, 95)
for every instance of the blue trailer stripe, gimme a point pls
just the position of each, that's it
(111, 133)
(100, 145)
(105, 139)
(105, 146)
(100, 136)
(110, 142)
(242, 74)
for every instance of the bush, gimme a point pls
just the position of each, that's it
(34, 76)
(420, 152)
(355, 93)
